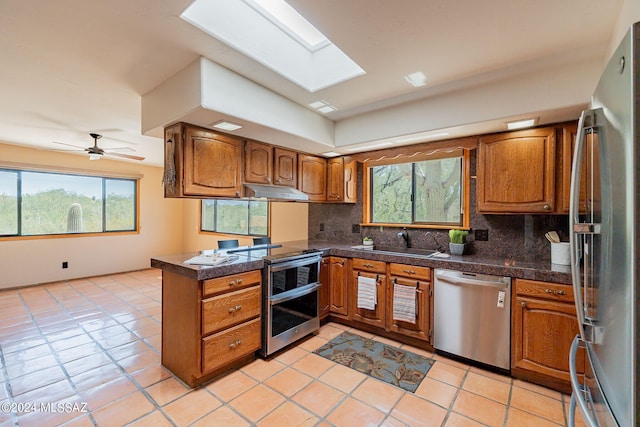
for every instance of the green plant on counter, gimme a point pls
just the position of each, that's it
(457, 236)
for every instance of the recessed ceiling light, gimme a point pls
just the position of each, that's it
(520, 124)
(331, 154)
(416, 79)
(322, 106)
(420, 137)
(228, 126)
(369, 147)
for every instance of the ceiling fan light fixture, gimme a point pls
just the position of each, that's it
(94, 156)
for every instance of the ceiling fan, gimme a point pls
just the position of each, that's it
(95, 152)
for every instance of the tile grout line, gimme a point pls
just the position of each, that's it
(7, 386)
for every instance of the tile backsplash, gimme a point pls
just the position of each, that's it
(517, 236)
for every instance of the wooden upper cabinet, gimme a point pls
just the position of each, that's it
(312, 176)
(335, 179)
(258, 162)
(341, 180)
(516, 172)
(569, 135)
(206, 163)
(285, 167)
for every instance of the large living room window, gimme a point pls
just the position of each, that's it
(430, 191)
(36, 203)
(245, 217)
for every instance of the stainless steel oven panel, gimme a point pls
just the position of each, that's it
(271, 344)
(270, 269)
(294, 293)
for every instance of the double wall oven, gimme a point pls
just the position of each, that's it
(290, 295)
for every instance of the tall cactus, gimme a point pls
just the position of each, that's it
(74, 219)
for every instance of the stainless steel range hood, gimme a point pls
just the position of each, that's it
(274, 192)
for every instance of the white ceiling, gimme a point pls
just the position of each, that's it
(70, 67)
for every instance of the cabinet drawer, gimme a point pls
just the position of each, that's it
(231, 283)
(230, 309)
(229, 345)
(368, 265)
(410, 271)
(545, 290)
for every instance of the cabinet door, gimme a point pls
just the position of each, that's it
(212, 164)
(338, 291)
(516, 172)
(258, 162)
(335, 179)
(375, 317)
(419, 329)
(285, 167)
(569, 134)
(312, 176)
(350, 187)
(324, 297)
(542, 335)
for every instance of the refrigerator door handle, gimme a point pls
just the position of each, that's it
(579, 391)
(589, 119)
(575, 239)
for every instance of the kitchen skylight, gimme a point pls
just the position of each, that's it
(274, 34)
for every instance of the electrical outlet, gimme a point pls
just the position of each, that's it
(65, 264)
(481, 235)
(355, 228)
(322, 226)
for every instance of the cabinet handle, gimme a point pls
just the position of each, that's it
(342, 262)
(234, 309)
(546, 207)
(238, 281)
(232, 283)
(235, 344)
(368, 265)
(524, 304)
(409, 271)
(278, 181)
(559, 292)
(549, 291)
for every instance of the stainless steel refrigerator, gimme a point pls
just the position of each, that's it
(605, 197)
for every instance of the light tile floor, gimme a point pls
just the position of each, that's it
(87, 352)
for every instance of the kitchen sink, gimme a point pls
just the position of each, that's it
(425, 253)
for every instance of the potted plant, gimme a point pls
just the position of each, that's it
(457, 241)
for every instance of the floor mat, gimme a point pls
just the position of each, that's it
(388, 363)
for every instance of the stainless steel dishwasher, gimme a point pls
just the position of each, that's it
(472, 316)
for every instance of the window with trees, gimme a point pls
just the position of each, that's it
(429, 191)
(246, 217)
(34, 203)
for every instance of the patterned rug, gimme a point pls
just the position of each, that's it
(387, 363)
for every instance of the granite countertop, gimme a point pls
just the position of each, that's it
(532, 270)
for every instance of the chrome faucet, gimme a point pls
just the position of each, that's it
(405, 235)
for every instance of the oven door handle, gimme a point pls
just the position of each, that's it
(294, 293)
(294, 263)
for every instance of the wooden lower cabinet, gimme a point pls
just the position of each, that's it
(208, 325)
(375, 270)
(323, 294)
(338, 288)
(420, 278)
(544, 324)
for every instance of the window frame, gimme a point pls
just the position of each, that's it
(103, 176)
(465, 190)
(248, 234)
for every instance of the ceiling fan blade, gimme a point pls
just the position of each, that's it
(109, 150)
(70, 145)
(126, 156)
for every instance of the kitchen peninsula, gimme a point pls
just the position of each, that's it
(204, 334)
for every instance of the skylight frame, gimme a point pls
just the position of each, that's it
(290, 22)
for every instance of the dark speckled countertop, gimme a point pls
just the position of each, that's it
(543, 271)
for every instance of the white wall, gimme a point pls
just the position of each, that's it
(31, 261)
